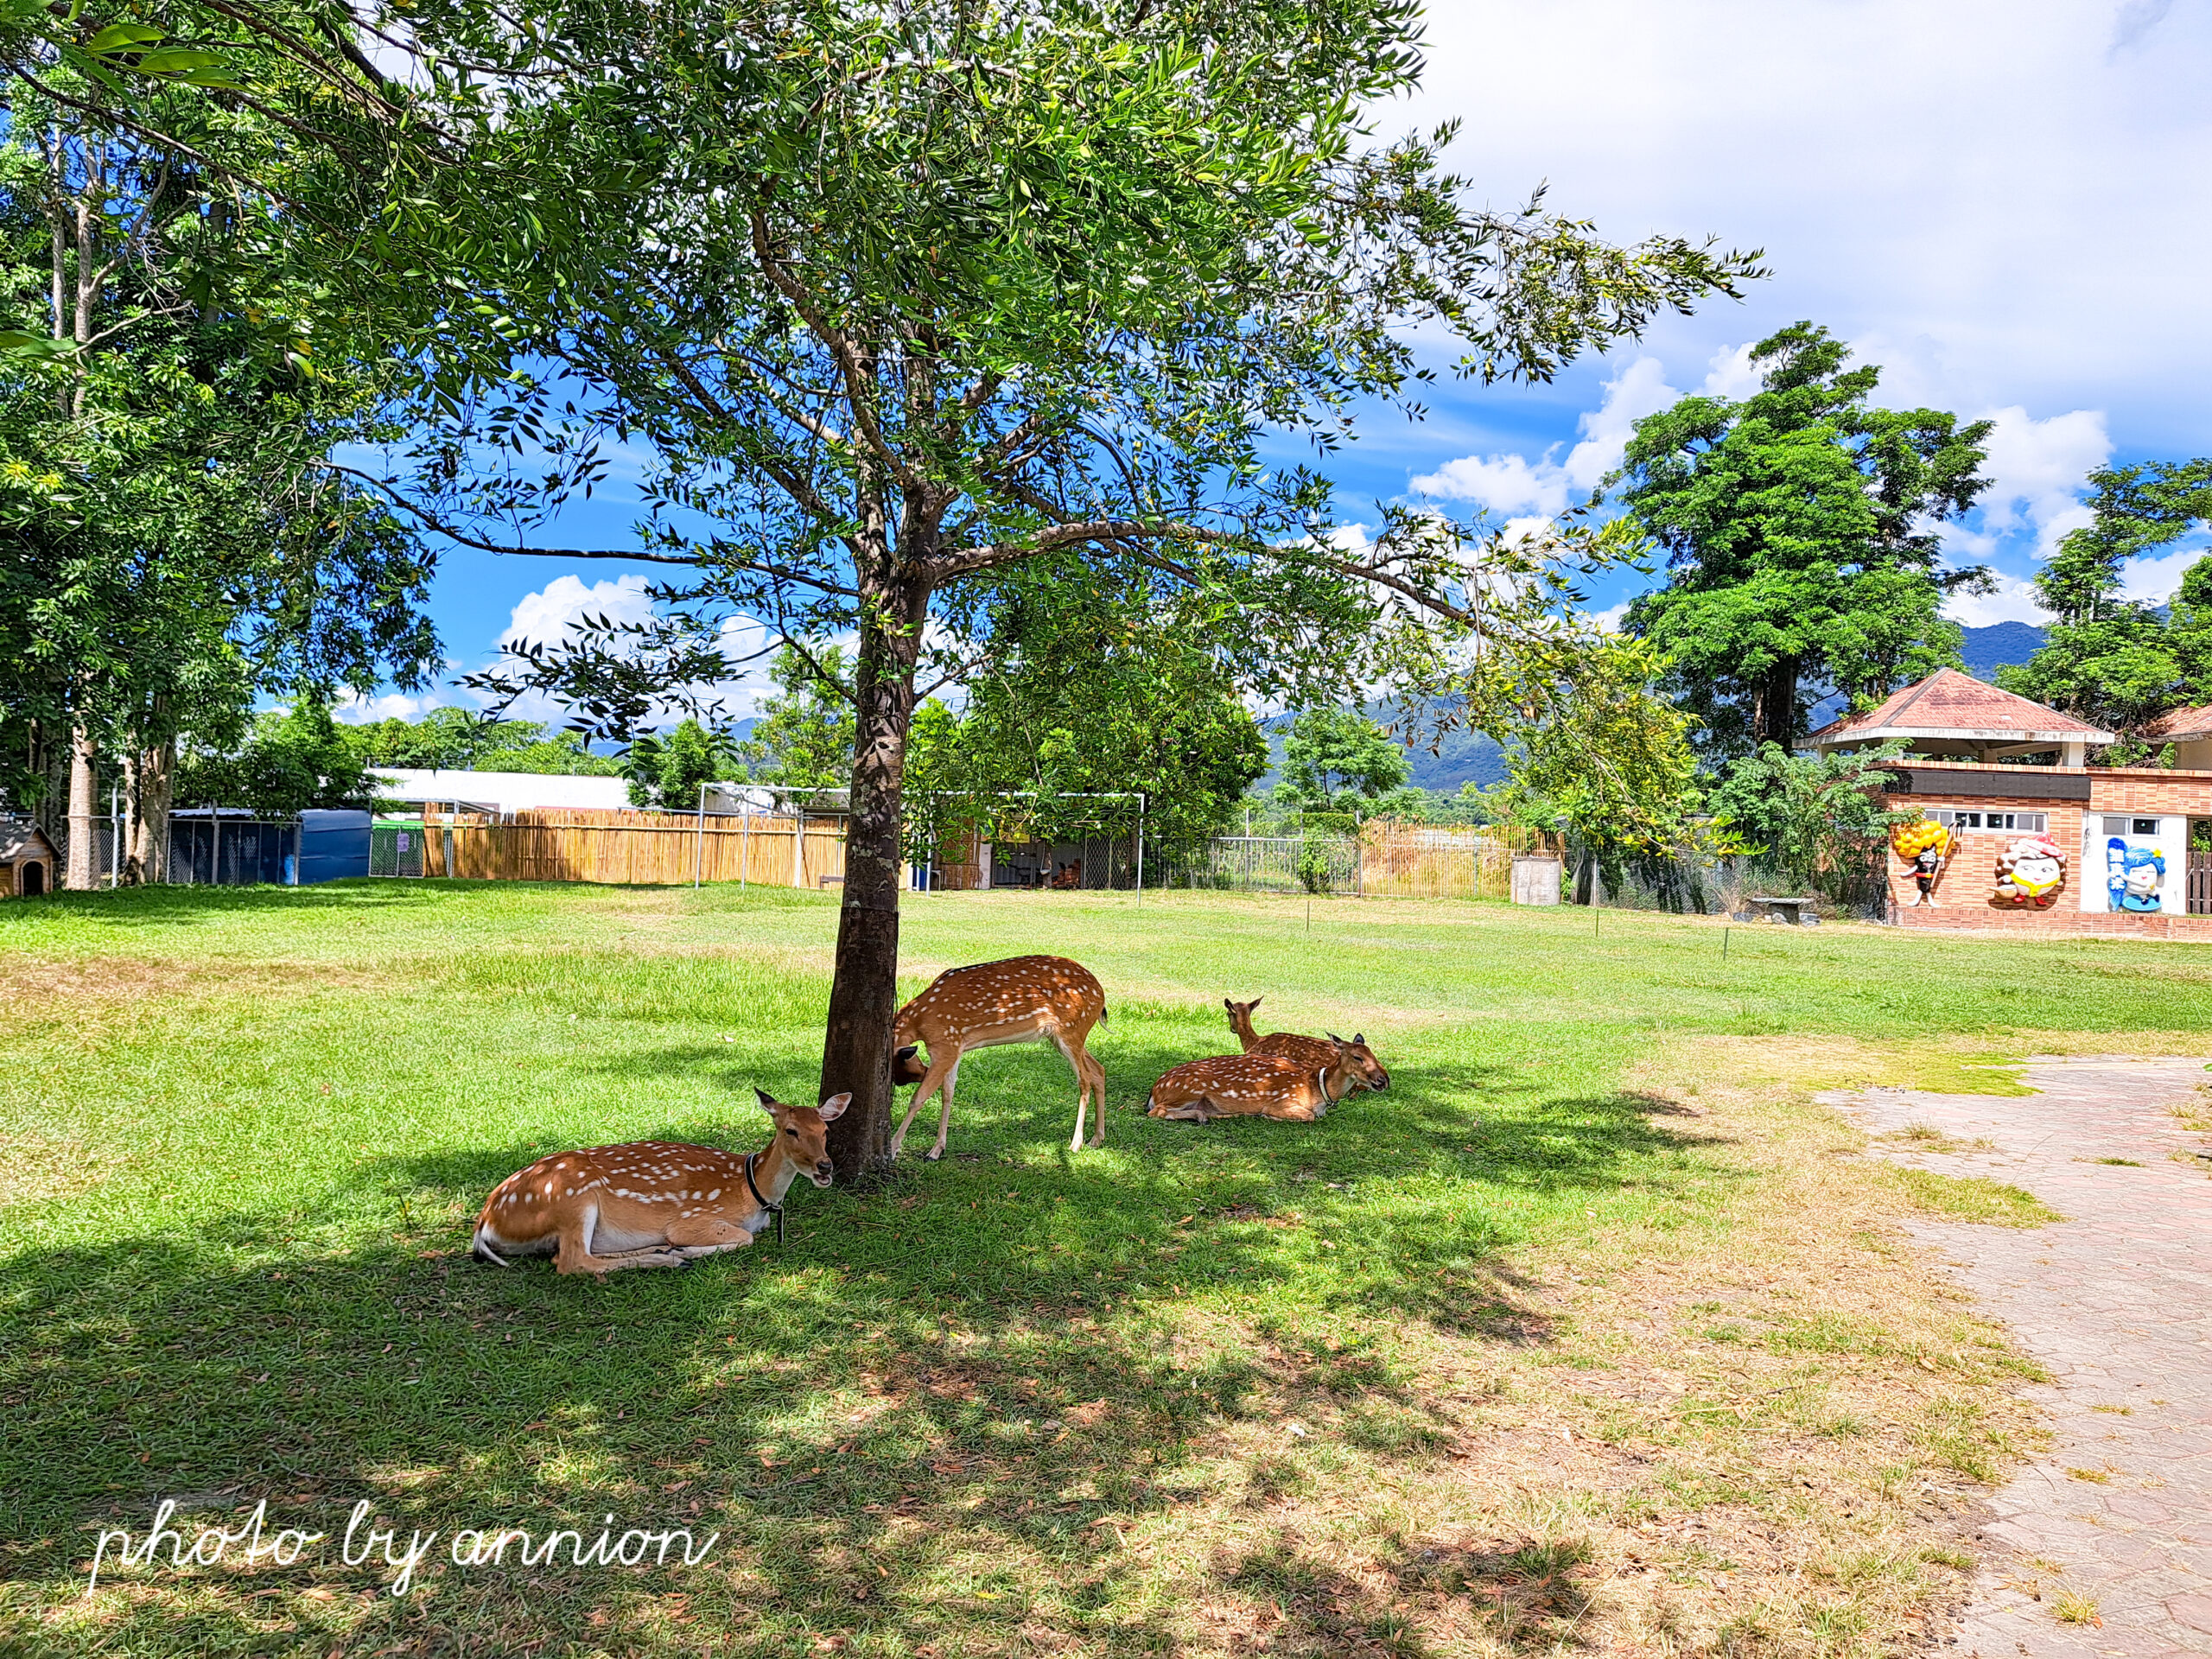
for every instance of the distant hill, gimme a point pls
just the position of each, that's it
(2001, 644)
(1462, 758)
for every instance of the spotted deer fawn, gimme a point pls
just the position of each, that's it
(653, 1203)
(1310, 1051)
(1023, 998)
(1261, 1085)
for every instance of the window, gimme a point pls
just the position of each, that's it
(2118, 826)
(2032, 823)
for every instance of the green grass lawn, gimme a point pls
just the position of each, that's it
(1588, 1332)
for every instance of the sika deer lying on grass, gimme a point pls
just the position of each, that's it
(1262, 1085)
(1306, 1051)
(653, 1203)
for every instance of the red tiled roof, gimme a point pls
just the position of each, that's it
(1948, 702)
(2179, 724)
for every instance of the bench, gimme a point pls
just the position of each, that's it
(1797, 912)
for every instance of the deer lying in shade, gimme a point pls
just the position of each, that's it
(1021, 1000)
(653, 1203)
(1306, 1051)
(1260, 1085)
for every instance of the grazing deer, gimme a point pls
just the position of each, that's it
(1368, 1072)
(1023, 998)
(653, 1203)
(1256, 1084)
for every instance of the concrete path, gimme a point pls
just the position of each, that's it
(2117, 1302)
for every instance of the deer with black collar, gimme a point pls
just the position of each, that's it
(654, 1203)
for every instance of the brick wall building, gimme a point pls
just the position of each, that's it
(2137, 843)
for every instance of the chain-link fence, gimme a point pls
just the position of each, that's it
(1859, 887)
(233, 852)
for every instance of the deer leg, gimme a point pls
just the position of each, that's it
(572, 1254)
(1191, 1111)
(932, 1080)
(1097, 1097)
(945, 1114)
(698, 1235)
(1079, 1063)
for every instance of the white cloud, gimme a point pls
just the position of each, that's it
(1639, 389)
(2015, 210)
(2013, 601)
(2153, 581)
(358, 710)
(1513, 484)
(1498, 483)
(557, 611)
(2039, 469)
(1732, 374)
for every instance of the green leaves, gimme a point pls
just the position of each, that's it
(1800, 527)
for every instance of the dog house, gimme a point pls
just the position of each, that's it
(28, 859)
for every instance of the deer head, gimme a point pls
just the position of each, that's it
(803, 1133)
(1359, 1060)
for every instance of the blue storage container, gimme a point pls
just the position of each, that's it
(332, 846)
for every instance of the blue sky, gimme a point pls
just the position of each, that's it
(2007, 204)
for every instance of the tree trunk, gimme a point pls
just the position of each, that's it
(1774, 705)
(84, 858)
(864, 996)
(157, 794)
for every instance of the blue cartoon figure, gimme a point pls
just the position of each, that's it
(2133, 875)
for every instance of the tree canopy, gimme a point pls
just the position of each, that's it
(2108, 659)
(1340, 755)
(924, 291)
(1800, 529)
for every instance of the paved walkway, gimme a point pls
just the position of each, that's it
(2117, 1302)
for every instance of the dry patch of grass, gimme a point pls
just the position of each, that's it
(1926, 1137)
(1970, 1198)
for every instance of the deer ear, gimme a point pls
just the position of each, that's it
(1334, 1038)
(833, 1108)
(768, 1100)
(1358, 1041)
(1231, 1006)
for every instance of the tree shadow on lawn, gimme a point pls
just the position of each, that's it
(175, 906)
(972, 1376)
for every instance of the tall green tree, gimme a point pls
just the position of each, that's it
(668, 772)
(938, 288)
(1337, 757)
(177, 540)
(1800, 529)
(804, 738)
(1083, 725)
(2107, 657)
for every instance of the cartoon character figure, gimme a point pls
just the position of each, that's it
(2142, 872)
(2116, 872)
(1924, 846)
(2030, 872)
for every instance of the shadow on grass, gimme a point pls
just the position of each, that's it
(971, 1379)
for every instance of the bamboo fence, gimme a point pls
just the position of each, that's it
(637, 848)
(1398, 861)
(1393, 859)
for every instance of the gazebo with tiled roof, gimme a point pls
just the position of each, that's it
(1950, 715)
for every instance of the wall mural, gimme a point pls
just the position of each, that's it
(1925, 846)
(2031, 871)
(2133, 875)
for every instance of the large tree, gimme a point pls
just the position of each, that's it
(911, 293)
(2107, 657)
(176, 539)
(1075, 715)
(1334, 753)
(1800, 529)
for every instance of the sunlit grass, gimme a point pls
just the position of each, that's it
(1018, 1390)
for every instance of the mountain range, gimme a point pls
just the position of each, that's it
(1470, 758)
